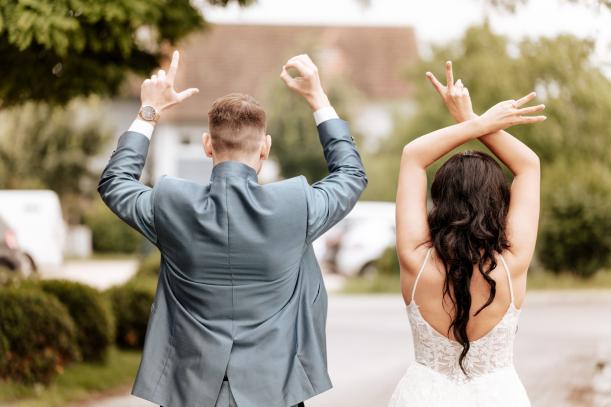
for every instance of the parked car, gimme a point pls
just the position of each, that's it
(353, 245)
(36, 218)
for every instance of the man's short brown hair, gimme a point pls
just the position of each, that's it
(237, 123)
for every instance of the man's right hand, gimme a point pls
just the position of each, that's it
(308, 83)
(158, 91)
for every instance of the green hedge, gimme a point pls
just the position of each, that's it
(109, 233)
(131, 304)
(37, 336)
(388, 263)
(149, 265)
(91, 313)
(9, 277)
(576, 218)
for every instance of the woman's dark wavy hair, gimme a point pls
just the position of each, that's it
(467, 222)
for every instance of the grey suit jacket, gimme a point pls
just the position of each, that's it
(240, 292)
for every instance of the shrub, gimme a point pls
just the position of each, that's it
(131, 304)
(109, 233)
(90, 312)
(9, 277)
(388, 263)
(576, 218)
(149, 265)
(37, 336)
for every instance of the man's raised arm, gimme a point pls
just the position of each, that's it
(332, 198)
(120, 186)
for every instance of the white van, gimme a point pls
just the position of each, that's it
(36, 218)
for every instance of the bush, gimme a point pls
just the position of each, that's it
(149, 265)
(131, 304)
(388, 263)
(9, 277)
(109, 233)
(90, 312)
(576, 218)
(37, 336)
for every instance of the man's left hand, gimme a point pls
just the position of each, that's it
(307, 84)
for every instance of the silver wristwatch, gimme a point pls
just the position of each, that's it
(148, 113)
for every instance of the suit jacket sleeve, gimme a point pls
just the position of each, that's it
(332, 198)
(121, 189)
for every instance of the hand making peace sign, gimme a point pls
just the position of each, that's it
(501, 116)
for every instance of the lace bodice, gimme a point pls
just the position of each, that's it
(487, 354)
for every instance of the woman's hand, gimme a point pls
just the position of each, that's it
(508, 113)
(455, 95)
(499, 117)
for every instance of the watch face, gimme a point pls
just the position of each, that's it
(148, 113)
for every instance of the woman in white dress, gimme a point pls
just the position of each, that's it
(464, 263)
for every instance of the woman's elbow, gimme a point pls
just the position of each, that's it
(411, 157)
(533, 162)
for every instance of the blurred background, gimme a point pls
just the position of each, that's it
(76, 284)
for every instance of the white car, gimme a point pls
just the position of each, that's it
(36, 218)
(354, 244)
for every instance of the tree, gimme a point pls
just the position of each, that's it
(55, 50)
(577, 96)
(48, 147)
(576, 220)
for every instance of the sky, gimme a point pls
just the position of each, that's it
(435, 21)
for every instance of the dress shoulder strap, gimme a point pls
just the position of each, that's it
(426, 259)
(508, 278)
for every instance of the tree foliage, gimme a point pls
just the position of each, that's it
(49, 147)
(577, 96)
(55, 50)
(576, 217)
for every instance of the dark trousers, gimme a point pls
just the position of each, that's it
(298, 405)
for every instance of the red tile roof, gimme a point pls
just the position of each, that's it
(245, 58)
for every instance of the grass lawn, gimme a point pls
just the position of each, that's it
(79, 381)
(536, 281)
(378, 284)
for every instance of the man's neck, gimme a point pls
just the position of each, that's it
(251, 162)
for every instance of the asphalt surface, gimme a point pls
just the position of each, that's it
(97, 273)
(563, 344)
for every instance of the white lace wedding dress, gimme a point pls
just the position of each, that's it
(435, 379)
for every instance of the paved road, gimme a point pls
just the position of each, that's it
(97, 273)
(561, 338)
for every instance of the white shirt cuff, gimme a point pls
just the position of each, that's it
(142, 127)
(324, 114)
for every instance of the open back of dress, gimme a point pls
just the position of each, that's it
(436, 379)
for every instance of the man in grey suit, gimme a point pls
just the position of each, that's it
(240, 310)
